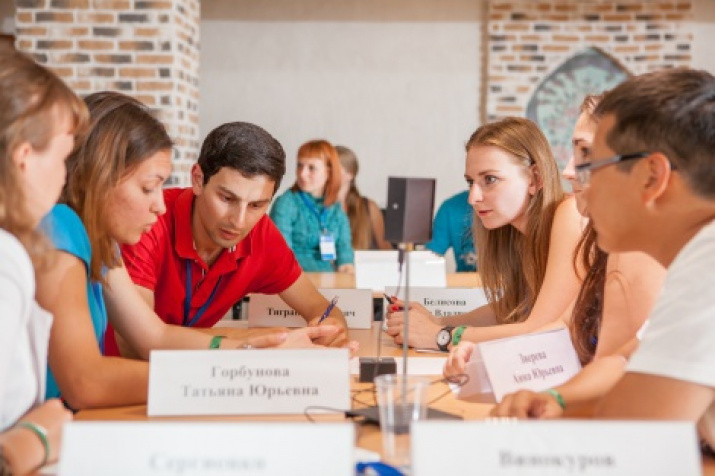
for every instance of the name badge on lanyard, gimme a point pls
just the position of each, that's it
(327, 246)
(327, 240)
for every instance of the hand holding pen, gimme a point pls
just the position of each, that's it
(329, 309)
(391, 300)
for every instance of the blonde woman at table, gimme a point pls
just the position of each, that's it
(39, 118)
(367, 225)
(112, 196)
(309, 215)
(617, 295)
(526, 231)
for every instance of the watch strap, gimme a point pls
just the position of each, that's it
(445, 347)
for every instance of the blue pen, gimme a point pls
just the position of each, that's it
(332, 304)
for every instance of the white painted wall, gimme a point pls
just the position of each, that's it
(399, 81)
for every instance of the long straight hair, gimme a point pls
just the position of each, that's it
(355, 205)
(123, 133)
(588, 310)
(322, 149)
(32, 100)
(512, 265)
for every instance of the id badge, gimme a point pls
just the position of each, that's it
(327, 247)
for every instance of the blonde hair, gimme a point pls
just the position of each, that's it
(512, 265)
(355, 205)
(322, 149)
(31, 97)
(122, 134)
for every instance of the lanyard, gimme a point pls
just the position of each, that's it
(187, 299)
(320, 216)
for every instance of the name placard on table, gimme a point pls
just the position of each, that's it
(442, 302)
(201, 448)
(242, 382)
(594, 448)
(532, 361)
(271, 311)
(377, 269)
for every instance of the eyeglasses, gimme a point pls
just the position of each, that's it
(583, 171)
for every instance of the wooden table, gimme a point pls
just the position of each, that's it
(368, 436)
(347, 281)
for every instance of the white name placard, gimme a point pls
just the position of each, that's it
(442, 302)
(241, 382)
(205, 449)
(270, 310)
(593, 448)
(378, 269)
(532, 361)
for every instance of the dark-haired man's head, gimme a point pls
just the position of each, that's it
(651, 175)
(239, 170)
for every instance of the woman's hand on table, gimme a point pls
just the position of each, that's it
(422, 326)
(458, 357)
(528, 404)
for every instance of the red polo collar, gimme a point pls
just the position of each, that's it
(184, 239)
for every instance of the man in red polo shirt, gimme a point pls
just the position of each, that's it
(215, 244)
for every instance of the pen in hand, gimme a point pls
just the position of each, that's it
(330, 307)
(391, 300)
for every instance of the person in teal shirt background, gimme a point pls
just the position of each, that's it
(452, 228)
(309, 215)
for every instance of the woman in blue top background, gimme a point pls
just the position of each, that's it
(452, 228)
(309, 214)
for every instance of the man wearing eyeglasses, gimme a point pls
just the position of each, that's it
(651, 188)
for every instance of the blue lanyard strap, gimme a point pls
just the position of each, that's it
(322, 216)
(187, 298)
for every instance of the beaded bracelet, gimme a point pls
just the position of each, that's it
(559, 398)
(41, 432)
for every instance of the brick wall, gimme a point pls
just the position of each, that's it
(146, 48)
(527, 40)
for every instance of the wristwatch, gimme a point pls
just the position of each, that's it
(444, 337)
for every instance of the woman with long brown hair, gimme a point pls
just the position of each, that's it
(525, 230)
(367, 225)
(617, 295)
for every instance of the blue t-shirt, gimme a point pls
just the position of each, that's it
(67, 232)
(452, 228)
(300, 224)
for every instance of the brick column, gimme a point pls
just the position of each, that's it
(146, 48)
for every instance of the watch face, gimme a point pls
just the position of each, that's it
(443, 337)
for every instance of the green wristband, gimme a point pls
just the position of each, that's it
(216, 342)
(41, 433)
(559, 398)
(457, 335)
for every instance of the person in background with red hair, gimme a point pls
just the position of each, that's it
(309, 214)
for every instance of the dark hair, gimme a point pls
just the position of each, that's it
(670, 111)
(32, 102)
(122, 134)
(244, 147)
(588, 309)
